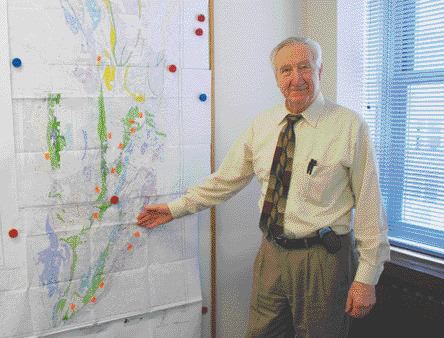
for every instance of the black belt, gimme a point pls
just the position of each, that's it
(297, 243)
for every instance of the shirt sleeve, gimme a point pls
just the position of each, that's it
(235, 172)
(370, 222)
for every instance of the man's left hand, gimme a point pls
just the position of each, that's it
(360, 300)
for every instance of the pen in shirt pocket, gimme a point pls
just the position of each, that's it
(311, 165)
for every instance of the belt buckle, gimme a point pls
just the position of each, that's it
(279, 239)
(306, 243)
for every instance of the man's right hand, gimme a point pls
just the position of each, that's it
(154, 215)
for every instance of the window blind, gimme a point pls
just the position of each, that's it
(403, 102)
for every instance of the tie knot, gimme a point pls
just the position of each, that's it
(291, 118)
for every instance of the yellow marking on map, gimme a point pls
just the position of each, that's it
(109, 76)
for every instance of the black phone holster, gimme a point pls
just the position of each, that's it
(330, 240)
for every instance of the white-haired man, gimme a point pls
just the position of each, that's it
(320, 201)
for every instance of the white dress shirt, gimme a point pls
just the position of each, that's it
(342, 190)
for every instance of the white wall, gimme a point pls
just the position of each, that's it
(245, 33)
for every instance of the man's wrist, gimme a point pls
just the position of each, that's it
(177, 208)
(368, 274)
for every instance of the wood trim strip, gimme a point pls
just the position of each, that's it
(213, 210)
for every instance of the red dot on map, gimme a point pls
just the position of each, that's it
(102, 285)
(199, 31)
(201, 18)
(93, 299)
(114, 200)
(172, 68)
(13, 233)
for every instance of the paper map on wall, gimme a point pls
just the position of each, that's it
(109, 110)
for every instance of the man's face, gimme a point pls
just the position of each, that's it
(297, 76)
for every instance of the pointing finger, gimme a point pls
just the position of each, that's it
(144, 219)
(149, 207)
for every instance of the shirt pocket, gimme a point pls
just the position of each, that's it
(322, 187)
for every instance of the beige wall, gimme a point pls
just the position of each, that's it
(245, 33)
(319, 23)
(351, 17)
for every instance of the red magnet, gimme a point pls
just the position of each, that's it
(201, 18)
(114, 200)
(172, 68)
(199, 31)
(13, 233)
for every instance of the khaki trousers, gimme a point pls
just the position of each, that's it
(302, 292)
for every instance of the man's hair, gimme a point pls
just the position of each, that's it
(297, 40)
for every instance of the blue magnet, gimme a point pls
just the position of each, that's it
(203, 97)
(16, 62)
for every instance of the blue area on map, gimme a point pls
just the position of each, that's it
(94, 12)
(122, 179)
(53, 138)
(114, 234)
(143, 148)
(72, 20)
(85, 139)
(85, 281)
(68, 135)
(52, 259)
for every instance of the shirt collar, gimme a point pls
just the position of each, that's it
(311, 114)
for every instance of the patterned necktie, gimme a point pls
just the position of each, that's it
(273, 210)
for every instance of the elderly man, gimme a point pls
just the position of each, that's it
(320, 200)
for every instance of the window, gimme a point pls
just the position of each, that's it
(403, 102)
